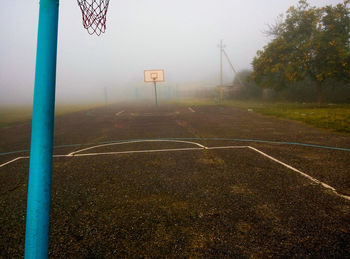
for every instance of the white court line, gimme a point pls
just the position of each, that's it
(137, 141)
(59, 156)
(201, 148)
(155, 150)
(191, 109)
(118, 113)
(301, 173)
(13, 160)
(133, 151)
(140, 151)
(26, 157)
(227, 147)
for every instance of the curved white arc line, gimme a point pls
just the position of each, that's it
(130, 152)
(303, 174)
(184, 149)
(136, 141)
(139, 151)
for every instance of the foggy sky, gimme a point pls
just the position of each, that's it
(179, 36)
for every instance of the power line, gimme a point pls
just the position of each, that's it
(233, 69)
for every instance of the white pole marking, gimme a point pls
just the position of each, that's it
(303, 174)
(119, 113)
(191, 109)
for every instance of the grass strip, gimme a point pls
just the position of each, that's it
(10, 116)
(335, 117)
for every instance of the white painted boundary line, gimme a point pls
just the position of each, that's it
(59, 156)
(227, 147)
(139, 151)
(25, 157)
(201, 148)
(155, 150)
(132, 152)
(136, 141)
(301, 173)
(191, 110)
(119, 113)
(13, 160)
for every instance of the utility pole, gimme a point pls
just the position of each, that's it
(221, 50)
(221, 46)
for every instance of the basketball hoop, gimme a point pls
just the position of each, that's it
(94, 15)
(154, 76)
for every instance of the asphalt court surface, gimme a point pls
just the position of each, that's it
(203, 202)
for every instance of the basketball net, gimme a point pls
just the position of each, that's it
(94, 15)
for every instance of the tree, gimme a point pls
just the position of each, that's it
(246, 88)
(309, 43)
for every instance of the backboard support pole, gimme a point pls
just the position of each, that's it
(154, 76)
(40, 165)
(155, 93)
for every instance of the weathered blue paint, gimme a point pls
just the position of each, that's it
(39, 184)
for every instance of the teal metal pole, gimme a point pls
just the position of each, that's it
(155, 93)
(40, 165)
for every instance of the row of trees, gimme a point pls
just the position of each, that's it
(308, 44)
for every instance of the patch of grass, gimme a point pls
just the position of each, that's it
(193, 102)
(335, 117)
(332, 117)
(21, 114)
(14, 115)
(65, 109)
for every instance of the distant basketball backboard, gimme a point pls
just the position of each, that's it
(154, 75)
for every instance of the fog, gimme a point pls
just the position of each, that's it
(180, 37)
